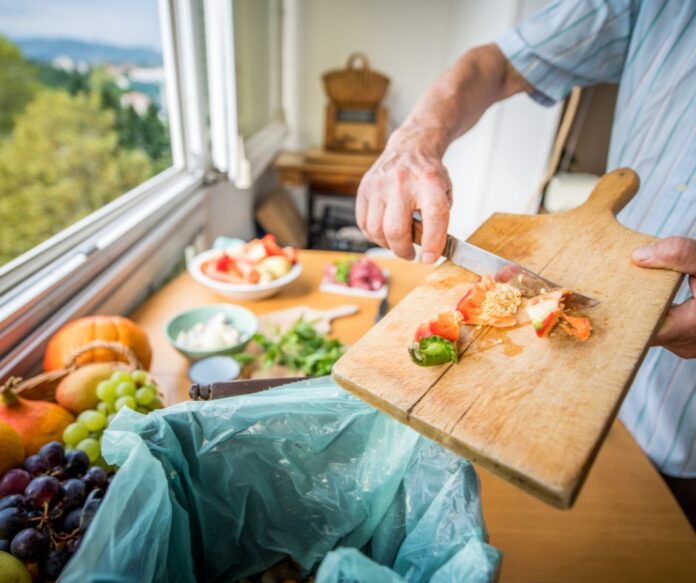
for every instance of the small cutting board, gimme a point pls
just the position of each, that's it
(532, 410)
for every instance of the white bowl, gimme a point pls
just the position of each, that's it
(239, 291)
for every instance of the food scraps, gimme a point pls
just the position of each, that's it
(496, 304)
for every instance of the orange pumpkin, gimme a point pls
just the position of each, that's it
(81, 332)
(36, 422)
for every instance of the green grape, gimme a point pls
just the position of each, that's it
(91, 448)
(156, 403)
(125, 389)
(143, 410)
(140, 377)
(120, 376)
(104, 408)
(126, 401)
(144, 396)
(106, 390)
(74, 434)
(92, 420)
(110, 418)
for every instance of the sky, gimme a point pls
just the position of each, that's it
(119, 22)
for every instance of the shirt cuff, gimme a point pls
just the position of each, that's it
(550, 83)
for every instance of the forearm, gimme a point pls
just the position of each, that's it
(457, 100)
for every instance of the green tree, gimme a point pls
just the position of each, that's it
(62, 162)
(17, 84)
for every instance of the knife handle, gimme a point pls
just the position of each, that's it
(417, 236)
(417, 230)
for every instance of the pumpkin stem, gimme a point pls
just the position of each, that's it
(7, 395)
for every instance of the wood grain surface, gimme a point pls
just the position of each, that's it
(531, 410)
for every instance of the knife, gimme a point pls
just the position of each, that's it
(484, 262)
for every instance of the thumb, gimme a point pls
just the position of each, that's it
(677, 253)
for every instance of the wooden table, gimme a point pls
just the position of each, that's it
(625, 525)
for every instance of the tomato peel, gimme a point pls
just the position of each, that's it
(445, 325)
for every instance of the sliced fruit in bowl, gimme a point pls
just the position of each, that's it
(253, 270)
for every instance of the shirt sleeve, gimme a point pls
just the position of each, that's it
(571, 43)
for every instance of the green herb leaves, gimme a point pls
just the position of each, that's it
(301, 348)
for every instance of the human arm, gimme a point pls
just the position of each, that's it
(409, 175)
(678, 331)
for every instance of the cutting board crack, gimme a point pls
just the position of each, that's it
(469, 344)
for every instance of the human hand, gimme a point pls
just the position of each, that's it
(405, 178)
(678, 331)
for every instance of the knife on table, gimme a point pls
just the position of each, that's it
(482, 262)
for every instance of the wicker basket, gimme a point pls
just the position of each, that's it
(356, 86)
(43, 387)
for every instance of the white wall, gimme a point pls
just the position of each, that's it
(499, 164)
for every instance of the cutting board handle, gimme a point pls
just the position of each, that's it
(613, 192)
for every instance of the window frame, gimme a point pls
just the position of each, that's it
(242, 160)
(39, 288)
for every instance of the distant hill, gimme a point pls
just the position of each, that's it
(47, 49)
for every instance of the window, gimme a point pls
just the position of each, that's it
(82, 121)
(113, 113)
(244, 47)
(129, 222)
(257, 49)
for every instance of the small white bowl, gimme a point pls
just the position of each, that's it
(239, 291)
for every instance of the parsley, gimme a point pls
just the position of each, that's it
(301, 348)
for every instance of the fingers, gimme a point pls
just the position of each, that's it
(435, 211)
(375, 221)
(397, 227)
(678, 331)
(677, 253)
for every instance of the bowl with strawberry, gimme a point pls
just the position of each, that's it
(248, 271)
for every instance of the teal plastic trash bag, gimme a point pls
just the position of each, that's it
(219, 490)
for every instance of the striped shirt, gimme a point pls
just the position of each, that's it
(649, 48)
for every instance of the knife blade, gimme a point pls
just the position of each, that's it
(484, 262)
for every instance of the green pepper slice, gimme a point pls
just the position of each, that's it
(433, 350)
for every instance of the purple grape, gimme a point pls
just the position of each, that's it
(12, 501)
(54, 563)
(72, 520)
(76, 462)
(89, 510)
(33, 514)
(12, 520)
(42, 490)
(60, 473)
(29, 544)
(14, 482)
(35, 465)
(72, 545)
(96, 477)
(53, 454)
(4, 545)
(74, 492)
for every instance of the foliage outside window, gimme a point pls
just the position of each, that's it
(72, 139)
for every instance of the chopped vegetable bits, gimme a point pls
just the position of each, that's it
(355, 272)
(214, 334)
(491, 303)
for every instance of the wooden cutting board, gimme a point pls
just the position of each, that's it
(532, 410)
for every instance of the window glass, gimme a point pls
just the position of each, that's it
(257, 46)
(83, 117)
